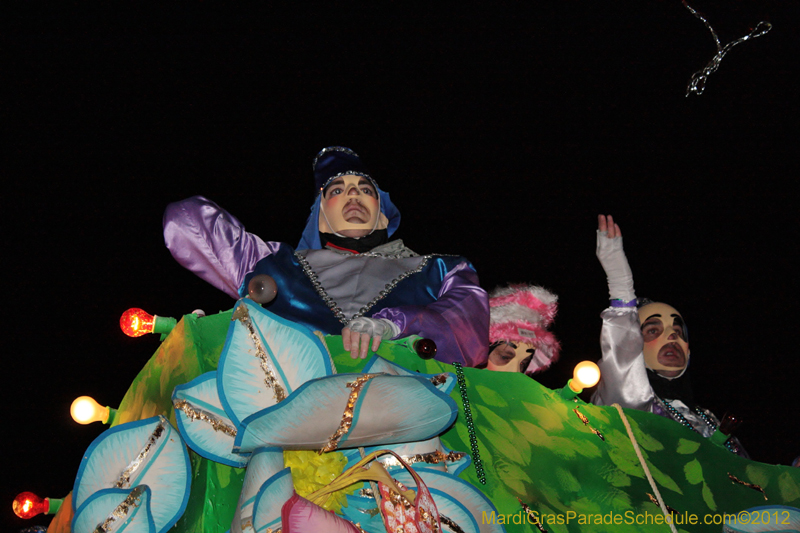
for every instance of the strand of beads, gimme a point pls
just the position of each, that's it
(678, 417)
(473, 440)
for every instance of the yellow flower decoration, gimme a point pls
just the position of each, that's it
(312, 471)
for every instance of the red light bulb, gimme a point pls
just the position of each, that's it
(136, 322)
(27, 505)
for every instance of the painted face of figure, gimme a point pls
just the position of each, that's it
(350, 206)
(666, 350)
(510, 356)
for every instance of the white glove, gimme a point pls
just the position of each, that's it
(618, 272)
(356, 336)
(380, 327)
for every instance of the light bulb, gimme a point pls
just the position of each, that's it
(136, 322)
(27, 505)
(586, 375)
(85, 410)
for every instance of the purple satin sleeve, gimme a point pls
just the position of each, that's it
(458, 322)
(212, 243)
(623, 376)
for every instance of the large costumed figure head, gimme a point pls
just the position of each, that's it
(350, 210)
(666, 345)
(518, 319)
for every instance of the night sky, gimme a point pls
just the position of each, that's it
(501, 132)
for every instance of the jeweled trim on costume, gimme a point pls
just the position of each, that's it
(334, 307)
(348, 173)
(678, 417)
(347, 416)
(199, 414)
(125, 477)
(343, 149)
(431, 458)
(122, 510)
(270, 380)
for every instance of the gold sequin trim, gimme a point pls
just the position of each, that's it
(532, 518)
(122, 510)
(347, 417)
(585, 421)
(451, 524)
(205, 416)
(125, 477)
(439, 380)
(746, 484)
(581, 416)
(653, 499)
(398, 499)
(431, 458)
(270, 380)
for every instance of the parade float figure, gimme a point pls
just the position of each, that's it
(280, 421)
(346, 276)
(645, 348)
(518, 319)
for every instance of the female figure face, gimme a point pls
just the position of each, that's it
(510, 357)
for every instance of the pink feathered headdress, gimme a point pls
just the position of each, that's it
(521, 313)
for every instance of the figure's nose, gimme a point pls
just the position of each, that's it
(353, 191)
(671, 333)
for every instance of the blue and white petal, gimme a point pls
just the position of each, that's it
(203, 422)
(265, 358)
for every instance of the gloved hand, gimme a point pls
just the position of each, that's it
(612, 257)
(356, 336)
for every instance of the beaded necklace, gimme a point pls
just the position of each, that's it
(473, 439)
(678, 417)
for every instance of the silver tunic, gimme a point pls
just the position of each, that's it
(354, 281)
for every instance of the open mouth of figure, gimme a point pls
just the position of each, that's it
(355, 213)
(672, 355)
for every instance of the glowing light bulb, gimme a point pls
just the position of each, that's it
(586, 375)
(85, 410)
(27, 505)
(136, 322)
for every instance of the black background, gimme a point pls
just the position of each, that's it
(500, 129)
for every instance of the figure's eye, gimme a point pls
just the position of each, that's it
(368, 191)
(333, 191)
(651, 331)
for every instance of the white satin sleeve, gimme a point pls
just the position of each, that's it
(623, 377)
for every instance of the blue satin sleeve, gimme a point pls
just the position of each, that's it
(458, 320)
(212, 243)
